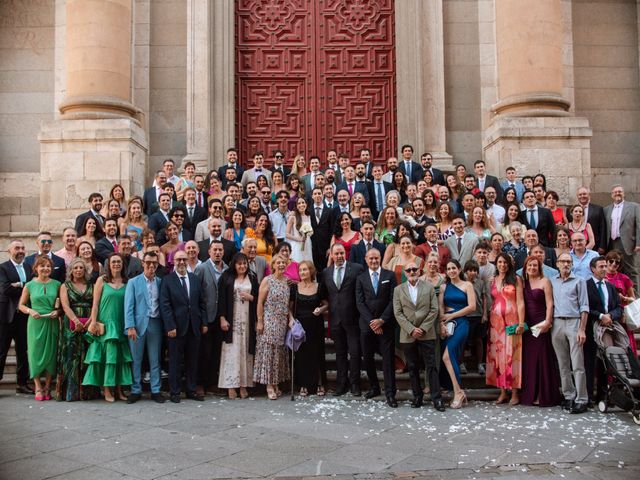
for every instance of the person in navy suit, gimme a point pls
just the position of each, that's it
(351, 185)
(232, 162)
(184, 314)
(45, 242)
(143, 326)
(360, 249)
(14, 273)
(150, 197)
(374, 299)
(95, 200)
(412, 170)
(538, 218)
(160, 218)
(322, 223)
(365, 159)
(426, 159)
(278, 164)
(378, 190)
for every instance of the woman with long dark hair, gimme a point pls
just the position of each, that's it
(344, 234)
(299, 232)
(263, 234)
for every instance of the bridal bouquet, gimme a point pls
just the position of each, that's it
(306, 231)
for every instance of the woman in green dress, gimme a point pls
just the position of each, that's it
(76, 297)
(40, 301)
(108, 357)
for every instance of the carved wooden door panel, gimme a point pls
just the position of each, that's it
(314, 75)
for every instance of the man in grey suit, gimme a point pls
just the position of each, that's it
(623, 232)
(461, 244)
(209, 273)
(257, 265)
(258, 169)
(415, 307)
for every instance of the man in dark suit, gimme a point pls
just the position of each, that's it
(14, 273)
(431, 245)
(374, 298)
(483, 180)
(232, 162)
(531, 239)
(595, 217)
(351, 185)
(378, 191)
(177, 215)
(278, 164)
(412, 170)
(184, 314)
(365, 159)
(215, 233)
(340, 283)
(538, 218)
(360, 249)
(160, 218)
(195, 214)
(604, 310)
(322, 222)
(109, 243)
(95, 200)
(151, 195)
(45, 242)
(427, 161)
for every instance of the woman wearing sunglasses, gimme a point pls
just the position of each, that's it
(624, 287)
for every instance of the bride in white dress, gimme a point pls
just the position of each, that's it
(299, 232)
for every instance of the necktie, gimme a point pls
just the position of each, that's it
(21, 273)
(258, 170)
(434, 248)
(338, 277)
(379, 196)
(184, 285)
(115, 245)
(100, 220)
(601, 293)
(318, 214)
(369, 246)
(532, 219)
(200, 199)
(374, 281)
(190, 213)
(459, 245)
(407, 167)
(350, 186)
(329, 206)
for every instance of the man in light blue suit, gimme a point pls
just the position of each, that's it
(143, 326)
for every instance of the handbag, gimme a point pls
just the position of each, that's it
(450, 326)
(511, 329)
(82, 320)
(632, 315)
(296, 335)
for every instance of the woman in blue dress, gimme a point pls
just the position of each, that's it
(457, 299)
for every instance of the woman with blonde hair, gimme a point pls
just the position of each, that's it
(134, 224)
(299, 167)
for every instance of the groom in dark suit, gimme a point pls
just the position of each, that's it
(340, 282)
(14, 273)
(374, 298)
(184, 314)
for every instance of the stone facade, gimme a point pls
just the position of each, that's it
(459, 84)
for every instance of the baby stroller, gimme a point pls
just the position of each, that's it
(622, 371)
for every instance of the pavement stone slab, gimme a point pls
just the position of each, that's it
(94, 473)
(151, 464)
(366, 458)
(100, 451)
(260, 462)
(37, 467)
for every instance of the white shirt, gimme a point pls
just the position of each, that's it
(317, 210)
(279, 222)
(413, 292)
(616, 217)
(498, 214)
(481, 182)
(376, 271)
(152, 289)
(605, 291)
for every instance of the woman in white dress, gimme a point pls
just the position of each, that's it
(299, 232)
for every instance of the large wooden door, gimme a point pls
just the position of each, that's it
(314, 75)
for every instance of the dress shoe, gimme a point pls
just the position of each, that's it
(340, 391)
(133, 398)
(195, 396)
(579, 407)
(355, 391)
(438, 405)
(567, 404)
(26, 389)
(392, 402)
(158, 397)
(417, 402)
(175, 398)
(371, 393)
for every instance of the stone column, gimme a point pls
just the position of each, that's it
(210, 82)
(532, 127)
(98, 140)
(420, 78)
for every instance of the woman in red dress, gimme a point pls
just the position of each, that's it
(344, 235)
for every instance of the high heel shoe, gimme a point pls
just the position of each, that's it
(47, 394)
(459, 402)
(502, 399)
(39, 397)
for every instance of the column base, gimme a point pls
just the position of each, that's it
(558, 147)
(442, 161)
(78, 157)
(200, 159)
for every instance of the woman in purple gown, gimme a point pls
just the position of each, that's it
(540, 378)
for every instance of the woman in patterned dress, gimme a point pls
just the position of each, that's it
(504, 352)
(271, 366)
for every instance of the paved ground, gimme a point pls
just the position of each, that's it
(344, 439)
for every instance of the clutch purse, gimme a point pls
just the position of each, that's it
(82, 320)
(511, 329)
(450, 327)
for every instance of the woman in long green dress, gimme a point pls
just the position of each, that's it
(40, 301)
(108, 357)
(76, 297)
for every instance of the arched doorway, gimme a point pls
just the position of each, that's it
(314, 75)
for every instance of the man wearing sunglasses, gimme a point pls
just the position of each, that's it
(44, 243)
(177, 215)
(215, 211)
(278, 164)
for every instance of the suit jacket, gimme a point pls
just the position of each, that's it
(322, 232)
(444, 255)
(223, 170)
(199, 214)
(373, 195)
(161, 237)
(137, 304)
(518, 186)
(423, 314)
(546, 226)
(306, 179)
(157, 222)
(179, 311)
(549, 258)
(438, 176)
(150, 201)
(207, 276)
(9, 295)
(259, 267)
(416, 170)
(80, 219)
(103, 249)
(286, 170)
(342, 305)
(469, 242)
(359, 250)
(229, 250)
(598, 222)
(59, 271)
(226, 304)
(371, 304)
(595, 303)
(491, 181)
(629, 225)
(251, 175)
(361, 187)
